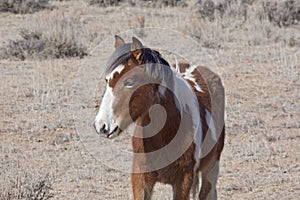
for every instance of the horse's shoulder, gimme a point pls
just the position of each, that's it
(210, 84)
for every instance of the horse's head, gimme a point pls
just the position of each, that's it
(131, 75)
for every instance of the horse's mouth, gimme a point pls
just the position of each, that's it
(115, 132)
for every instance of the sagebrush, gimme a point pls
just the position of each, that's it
(283, 14)
(153, 3)
(24, 6)
(66, 37)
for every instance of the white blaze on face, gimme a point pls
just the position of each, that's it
(105, 114)
(118, 69)
(105, 120)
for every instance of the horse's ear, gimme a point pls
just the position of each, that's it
(137, 49)
(118, 41)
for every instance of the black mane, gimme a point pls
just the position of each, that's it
(155, 64)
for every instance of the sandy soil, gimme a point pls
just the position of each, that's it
(38, 135)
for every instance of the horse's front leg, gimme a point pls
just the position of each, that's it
(182, 187)
(142, 185)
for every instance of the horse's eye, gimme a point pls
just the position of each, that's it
(129, 83)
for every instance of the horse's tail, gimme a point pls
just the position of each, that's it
(195, 186)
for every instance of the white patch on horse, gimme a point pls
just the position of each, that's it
(198, 141)
(189, 102)
(105, 113)
(189, 97)
(188, 75)
(211, 124)
(177, 67)
(118, 69)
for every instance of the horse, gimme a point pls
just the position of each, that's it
(178, 115)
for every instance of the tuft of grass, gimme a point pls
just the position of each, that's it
(283, 14)
(66, 38)
(206, 9)
(165, 3)
(26, 188)
(40, 190)
(24, 6)
(105, 3)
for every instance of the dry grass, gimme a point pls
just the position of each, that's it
(241, 23)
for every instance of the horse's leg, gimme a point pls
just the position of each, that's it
(209, 181)
(142, 188)
(182, 187)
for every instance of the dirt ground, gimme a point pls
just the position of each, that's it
(41, 99)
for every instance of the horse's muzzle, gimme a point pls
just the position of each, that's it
(104, 130)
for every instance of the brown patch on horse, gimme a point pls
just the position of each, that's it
(212, 97)
(204, 96)
(163, 137)
(117, 75)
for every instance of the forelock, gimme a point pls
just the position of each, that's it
(119, 56)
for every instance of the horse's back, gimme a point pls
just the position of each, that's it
(216, 89)
(212, 94)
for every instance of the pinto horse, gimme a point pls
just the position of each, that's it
(178, 114)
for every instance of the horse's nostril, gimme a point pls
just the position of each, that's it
(103, 128)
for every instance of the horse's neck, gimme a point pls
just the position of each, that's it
(181, 116)
(156, 129)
